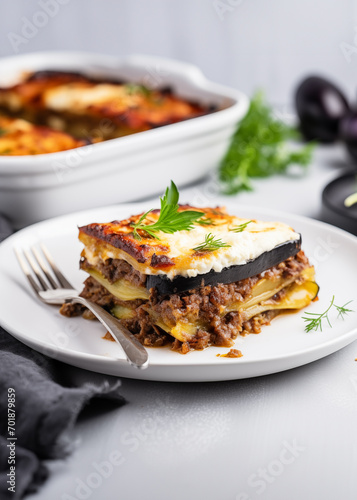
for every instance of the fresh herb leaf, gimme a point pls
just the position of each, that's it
(259, 149)
(205, 221)
(2, 131)
(241, 227)
(170, 219)
(314, 320)
(134, 88)
(210, 244)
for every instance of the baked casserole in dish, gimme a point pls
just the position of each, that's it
(89, 108)
(184, 129)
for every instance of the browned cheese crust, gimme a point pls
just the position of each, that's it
(118, 235)
(110, 108)
(19, 137)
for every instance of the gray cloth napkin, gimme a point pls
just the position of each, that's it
(46, 407)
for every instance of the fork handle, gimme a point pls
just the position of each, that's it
(135, 352)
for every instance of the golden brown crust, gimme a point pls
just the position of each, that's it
(147, 251)
(19, 137)
(75, 103)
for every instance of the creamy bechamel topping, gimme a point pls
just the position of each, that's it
(77, 97)
(256, 238)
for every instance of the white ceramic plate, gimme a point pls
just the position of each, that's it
(281, 346)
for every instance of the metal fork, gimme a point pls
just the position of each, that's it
(57, 292)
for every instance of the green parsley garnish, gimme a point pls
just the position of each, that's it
(241, 227)
(210, 244)
(170, 219)
(259, 149)
(314, 320)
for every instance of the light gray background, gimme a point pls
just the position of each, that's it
(244, 43)
(209, 439)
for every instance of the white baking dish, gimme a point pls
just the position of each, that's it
(33, 188)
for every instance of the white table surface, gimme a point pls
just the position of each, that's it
(288, 436)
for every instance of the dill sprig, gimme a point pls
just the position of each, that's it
(241, 227)
(314, 320)
(342, 310)
(205, 221)
(170, 219)
(210, 244)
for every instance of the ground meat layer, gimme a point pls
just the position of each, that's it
(203, 305)
(115, 269)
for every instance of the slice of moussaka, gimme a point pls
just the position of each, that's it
(222, 277)
(19, 137)
(95, 108)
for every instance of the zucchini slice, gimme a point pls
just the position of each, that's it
(122, 312)
(297, 297)
(121, 289)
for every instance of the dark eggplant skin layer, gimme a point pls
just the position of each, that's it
(266, 260)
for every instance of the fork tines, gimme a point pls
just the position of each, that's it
(37, 262)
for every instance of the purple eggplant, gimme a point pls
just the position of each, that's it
(320, 106)
(231, 274)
